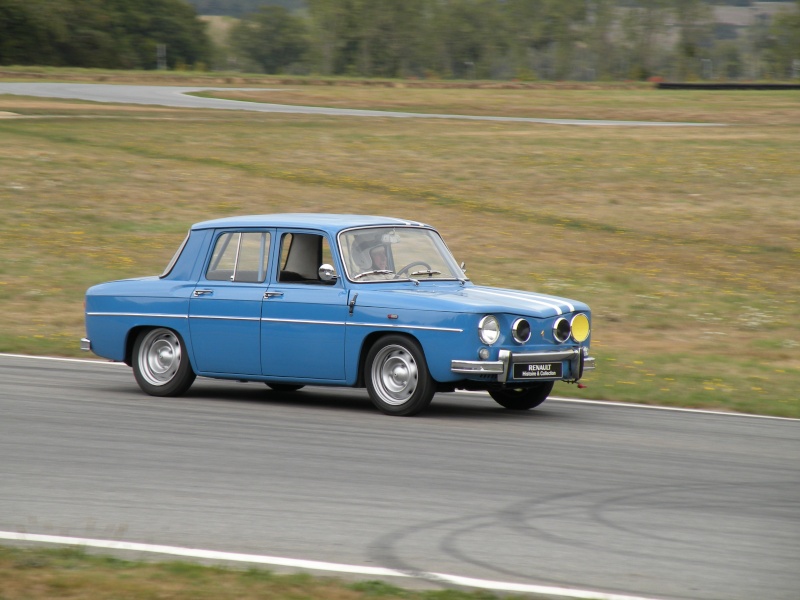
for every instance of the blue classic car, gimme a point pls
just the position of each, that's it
(338, 300)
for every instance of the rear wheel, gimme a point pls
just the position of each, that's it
(160, 364)
(522, 398)
(397, 376)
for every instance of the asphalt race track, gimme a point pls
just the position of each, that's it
(179, 97)
(587, 496)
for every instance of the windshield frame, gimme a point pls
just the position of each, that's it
(447, 259)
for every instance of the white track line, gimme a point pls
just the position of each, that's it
(62, 359)
(558, 398)
(315, 566)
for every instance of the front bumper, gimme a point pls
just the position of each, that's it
(577, 360)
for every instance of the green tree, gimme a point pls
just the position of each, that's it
(25, 34)
(547, 32)
(642, 26)
(693, 20)
(469, 40)
(333, 27)
(100, 33)
(141, 25)
(598, 39)
(727, 59)
(784, 46)
(387, 33)
(272, 38)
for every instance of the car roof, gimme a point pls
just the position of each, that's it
(328, 222)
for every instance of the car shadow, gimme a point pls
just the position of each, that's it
(452, 406)
(356, 400)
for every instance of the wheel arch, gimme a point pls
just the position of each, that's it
(370, 341)
(130, 340)
(133, 333)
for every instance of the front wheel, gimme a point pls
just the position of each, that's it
(522, 398)
(160, 364)
(397, 376)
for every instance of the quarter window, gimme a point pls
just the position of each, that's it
(175, 257)
(240, 256)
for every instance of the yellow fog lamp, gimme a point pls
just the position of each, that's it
(580, 327)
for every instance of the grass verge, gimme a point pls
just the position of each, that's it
(684, 241)
(66, 573)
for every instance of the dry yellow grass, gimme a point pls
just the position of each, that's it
(683, 240)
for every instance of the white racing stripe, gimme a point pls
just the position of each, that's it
(314, 565)
(543, 301)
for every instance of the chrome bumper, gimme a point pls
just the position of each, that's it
(86, 344)
(580, 362)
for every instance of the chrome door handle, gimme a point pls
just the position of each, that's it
(272, 295)
(198, 293)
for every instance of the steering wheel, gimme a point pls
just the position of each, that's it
(412, 264)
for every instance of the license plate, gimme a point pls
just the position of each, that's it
(537, 370)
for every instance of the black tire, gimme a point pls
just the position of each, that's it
(284, 387)
(160, 363)
(397, 377)
(522, 398)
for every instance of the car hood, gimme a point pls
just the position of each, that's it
(471, 298)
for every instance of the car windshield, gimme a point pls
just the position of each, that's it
(391, 253)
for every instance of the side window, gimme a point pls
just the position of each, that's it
(302, 254)
(240, 256)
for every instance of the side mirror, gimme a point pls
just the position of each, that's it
(327, 272)
(463, 267)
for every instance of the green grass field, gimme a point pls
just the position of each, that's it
(684, 241)
(71, 573)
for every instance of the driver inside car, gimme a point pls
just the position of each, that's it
(380, 261)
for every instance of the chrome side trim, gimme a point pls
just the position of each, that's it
(86, 344)
(302, 321)
(220, 318)
(401, 326)
(125, 314)
(376, 325)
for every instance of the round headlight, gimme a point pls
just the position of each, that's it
(489, 330)
(521, 330)
(561, 330)
(580, 327)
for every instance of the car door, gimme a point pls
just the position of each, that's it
(225, 307)
(303, 317)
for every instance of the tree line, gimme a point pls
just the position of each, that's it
(464, 39)
(240, 8)
(518, 39)
(113, 34)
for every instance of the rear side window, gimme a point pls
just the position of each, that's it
(240, 256)
(175, 257)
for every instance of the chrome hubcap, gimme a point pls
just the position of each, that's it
(160, 356)
(394, 373)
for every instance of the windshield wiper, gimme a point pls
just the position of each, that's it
(374, 272)
(427, 272)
